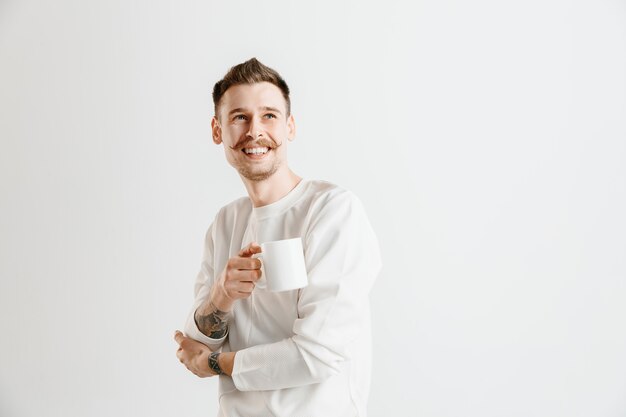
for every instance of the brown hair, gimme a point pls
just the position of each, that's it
(250, 72)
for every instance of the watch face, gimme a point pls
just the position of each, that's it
(214, 364)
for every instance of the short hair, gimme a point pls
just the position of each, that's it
(250, 72)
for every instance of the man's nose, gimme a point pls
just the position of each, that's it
(254, 128)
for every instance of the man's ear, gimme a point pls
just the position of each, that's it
(291, 128)
(216, 130)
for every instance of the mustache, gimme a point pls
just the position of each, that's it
(262, 143)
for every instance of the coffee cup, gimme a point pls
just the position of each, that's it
(282, 265)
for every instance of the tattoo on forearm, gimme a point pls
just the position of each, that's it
(214, 324)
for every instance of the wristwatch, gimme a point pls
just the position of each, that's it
(214, 364)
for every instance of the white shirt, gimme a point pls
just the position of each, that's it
(304, 352)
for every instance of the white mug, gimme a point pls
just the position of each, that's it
(282, 265)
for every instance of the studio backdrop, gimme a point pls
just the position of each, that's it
(486, 140)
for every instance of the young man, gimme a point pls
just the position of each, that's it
(304, 352)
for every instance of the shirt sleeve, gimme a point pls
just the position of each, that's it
(343, 260)
(202, 288)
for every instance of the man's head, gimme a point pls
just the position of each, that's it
(253, 120)
(250, 72)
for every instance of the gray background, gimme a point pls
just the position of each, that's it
(485, 138)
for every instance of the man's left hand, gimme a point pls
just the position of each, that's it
(193, 354)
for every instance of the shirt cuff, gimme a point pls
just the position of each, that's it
(191, 329)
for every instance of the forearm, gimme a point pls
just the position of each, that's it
(207, 323)
(211, 316)
(211, 321)
(279, 365)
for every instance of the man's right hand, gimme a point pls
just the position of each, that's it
(238, 279)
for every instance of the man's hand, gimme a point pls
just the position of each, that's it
(193, 354)
(237, 280)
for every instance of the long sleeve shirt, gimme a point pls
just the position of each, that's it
(304, 352)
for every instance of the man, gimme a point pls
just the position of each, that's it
(295, 353)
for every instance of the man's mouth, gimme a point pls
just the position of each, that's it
(255, 151)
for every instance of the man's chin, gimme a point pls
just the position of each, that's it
(257, 176)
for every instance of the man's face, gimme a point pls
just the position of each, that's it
(254, 128)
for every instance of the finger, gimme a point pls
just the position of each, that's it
(250, 250)
(238, 289)
(179, 336)
(187, 344)
(244, 263)
(245, 287)
(236, 277)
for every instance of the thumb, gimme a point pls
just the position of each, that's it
(250, 250)
(178, 336)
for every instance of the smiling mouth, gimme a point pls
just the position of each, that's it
(256, 151)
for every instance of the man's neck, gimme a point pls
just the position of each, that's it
(272, 189)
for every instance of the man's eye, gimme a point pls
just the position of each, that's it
(239, 117)
(270, 116)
